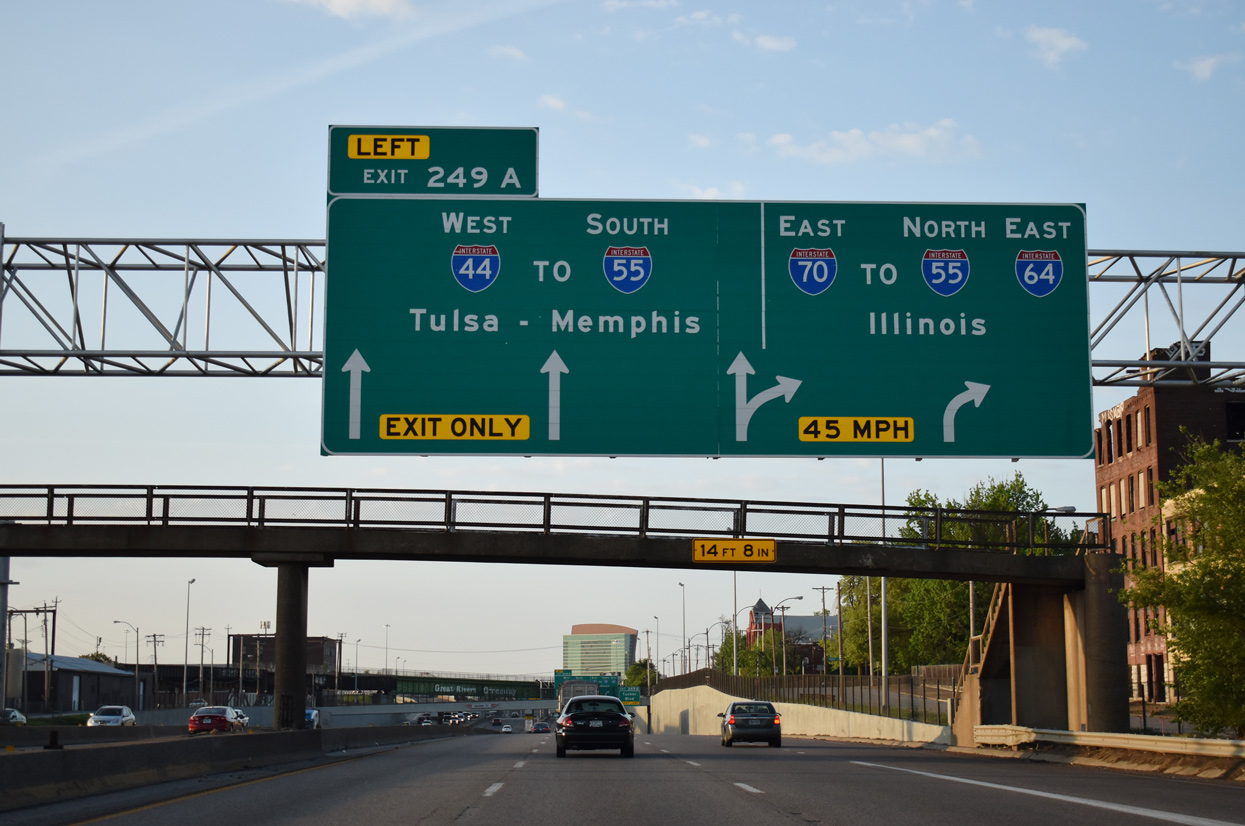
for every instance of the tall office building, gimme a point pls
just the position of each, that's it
(593, 649)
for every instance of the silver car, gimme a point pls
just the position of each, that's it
(112, 716)
(12, 717)
(751, 722)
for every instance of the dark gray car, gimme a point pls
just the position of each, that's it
(751, 722)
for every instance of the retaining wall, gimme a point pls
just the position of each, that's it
(695, 711)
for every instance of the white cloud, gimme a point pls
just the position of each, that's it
(937, 142)
(735, 189)
(618, 5)
(557, 104)
(1052, 45)
(1201, 68)
(511, 52)
(700, 141)
(775, 44)
(397, 9)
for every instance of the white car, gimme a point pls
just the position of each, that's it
(12, 717)
(506, 730)
(112, 716)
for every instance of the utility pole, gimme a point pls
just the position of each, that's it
(156, 640)
(825, 660)
(203, 633)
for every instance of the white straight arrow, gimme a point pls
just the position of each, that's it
(555, 367)
(744, 408)
(975, 393)
(356, 367)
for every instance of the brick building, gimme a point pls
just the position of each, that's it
(1137, 444)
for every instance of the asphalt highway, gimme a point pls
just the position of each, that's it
(515, 779)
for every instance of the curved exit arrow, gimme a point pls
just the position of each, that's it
(744, 408)
(975, 393)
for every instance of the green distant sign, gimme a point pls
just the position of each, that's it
(609, 328)
(629, 694)
(452, 162)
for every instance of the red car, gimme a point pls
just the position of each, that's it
(216, 718)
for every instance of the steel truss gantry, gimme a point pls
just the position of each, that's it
(123, 307)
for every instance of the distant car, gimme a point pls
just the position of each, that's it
(312, 718)
(12, 717)
(514, 714)
(215, 718)
(540, 728)
(751, 722)
(594, 722)
(245, 720)
(506, 730)
(112, 716)
(497, 721)
(425, 722)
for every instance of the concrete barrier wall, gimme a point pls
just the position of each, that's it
(696, 710)
(31, 778)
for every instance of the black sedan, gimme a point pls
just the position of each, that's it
(594, 722)
(751, 722)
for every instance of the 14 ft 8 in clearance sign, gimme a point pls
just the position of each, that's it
(573, 327)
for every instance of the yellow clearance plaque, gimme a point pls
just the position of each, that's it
(735, 550)
(388, 147)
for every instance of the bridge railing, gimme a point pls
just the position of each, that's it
(555, 513)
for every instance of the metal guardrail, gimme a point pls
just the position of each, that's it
(1019, 735)
(553, 513)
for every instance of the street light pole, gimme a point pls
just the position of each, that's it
(386, 668)
(779, 607)
(685, 640)
(356, 664)
(137, 657)
(658, 644)
(186, 655)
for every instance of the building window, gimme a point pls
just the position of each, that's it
(1147, 412)
(1106, 428)
(1119, 440)
(1140, 440)
(1235, 412)
(1150, 485)
(1127, 430)
(1103, 507)
(1114, 502)
(1132, 494)
(1098, 444)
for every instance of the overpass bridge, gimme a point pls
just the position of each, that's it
(1064, 664)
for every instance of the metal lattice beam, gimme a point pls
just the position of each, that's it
(124, 307)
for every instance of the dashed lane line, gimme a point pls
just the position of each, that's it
(520, 764)
(691, 762)
(749, 789)
(493, 789)
(1171, 817)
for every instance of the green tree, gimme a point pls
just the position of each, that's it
(1202, 587)
(640, 673)
(98, 657)
(928, 619)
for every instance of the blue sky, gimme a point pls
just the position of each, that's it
(154, 119)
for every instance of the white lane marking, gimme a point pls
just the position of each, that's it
(799, 752)
(647, 743)
(692, 763)
(493, 789)
(748, 788)
(663, 751)
(519, 765)
(535, 750)
(1172, 817)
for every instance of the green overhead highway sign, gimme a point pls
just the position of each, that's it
(706, 328)
(454, 162)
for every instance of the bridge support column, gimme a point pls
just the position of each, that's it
(1105, 641)
(290, 677)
